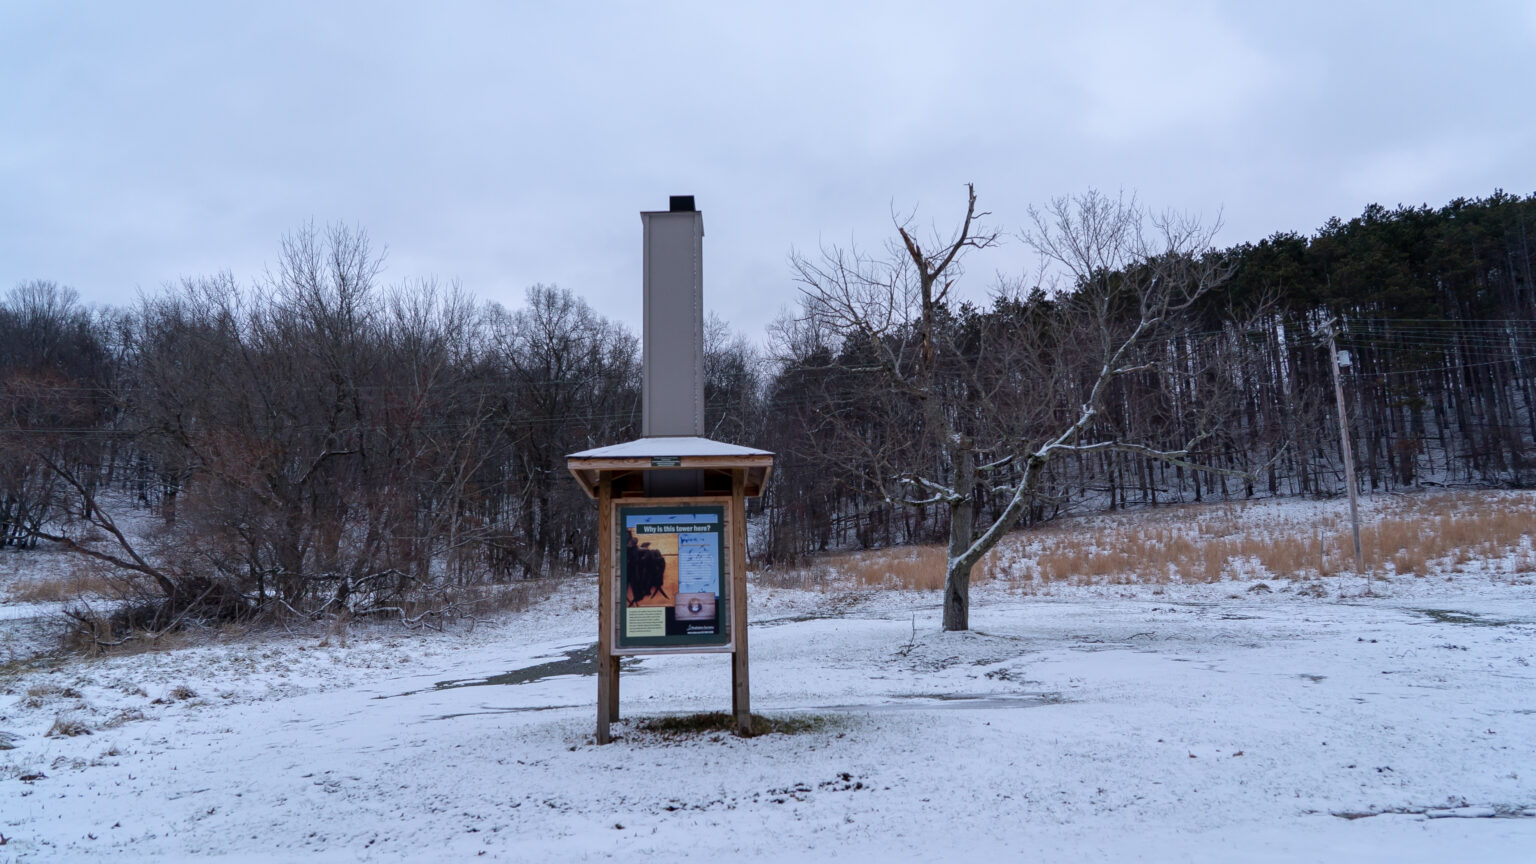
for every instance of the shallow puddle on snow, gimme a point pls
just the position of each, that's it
(577, 661)
(908, 702)
(952, 702)
(1451, 616)
(521, 709)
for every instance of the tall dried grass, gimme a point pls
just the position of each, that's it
(1409, 535)
(84, 579)
(912, 568)
(1413, 535)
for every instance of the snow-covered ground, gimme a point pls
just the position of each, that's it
(1220, 722)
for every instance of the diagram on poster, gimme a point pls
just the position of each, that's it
(672, 575)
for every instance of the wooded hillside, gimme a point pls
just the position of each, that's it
(320, 438)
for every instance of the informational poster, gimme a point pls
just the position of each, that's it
(672, 576)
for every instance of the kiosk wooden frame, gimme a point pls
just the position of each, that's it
(719, 474)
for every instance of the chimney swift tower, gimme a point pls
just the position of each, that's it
(674, 320)
(671, 505)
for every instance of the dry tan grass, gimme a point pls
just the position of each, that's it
(82, 579)
(1407, 535)
(67, 727)
(1411, 535)
(912, 568)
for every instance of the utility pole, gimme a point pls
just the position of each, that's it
(1349, 453)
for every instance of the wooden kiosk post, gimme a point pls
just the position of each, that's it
(706, 534)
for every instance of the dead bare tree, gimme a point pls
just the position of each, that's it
(1019, 398)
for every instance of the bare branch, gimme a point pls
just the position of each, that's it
(103, 520)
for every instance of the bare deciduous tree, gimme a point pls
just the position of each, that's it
(998, 400)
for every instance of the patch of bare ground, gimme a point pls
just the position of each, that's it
(717, 724)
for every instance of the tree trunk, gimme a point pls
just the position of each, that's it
(957, 577)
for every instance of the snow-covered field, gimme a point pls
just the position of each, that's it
(1219, 722)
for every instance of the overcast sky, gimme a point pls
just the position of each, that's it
(506, 144)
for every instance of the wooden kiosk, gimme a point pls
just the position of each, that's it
(671, 506)
(672, 555)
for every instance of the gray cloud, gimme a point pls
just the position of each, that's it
(507, 144)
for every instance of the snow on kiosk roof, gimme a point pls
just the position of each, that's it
(671, 451)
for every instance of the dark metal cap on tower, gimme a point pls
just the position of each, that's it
(681, 204)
